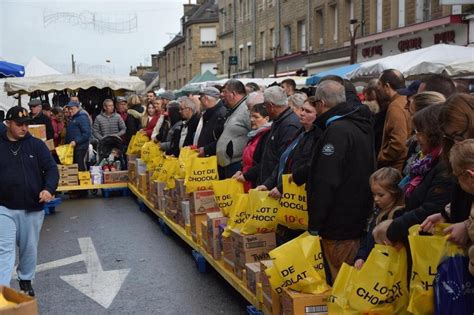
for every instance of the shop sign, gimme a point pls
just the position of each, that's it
(409, 44)
(445, 37)
(368, 52)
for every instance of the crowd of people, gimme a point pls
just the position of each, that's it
(374, 163)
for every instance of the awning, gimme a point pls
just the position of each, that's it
(340, 71)
(8, 69)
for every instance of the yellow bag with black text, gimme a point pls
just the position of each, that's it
(200, 173)
(225, 193)
(382, 281)
(427, 252)
(166, 173)
(149, 151)
(130, 145)
(238, 214)
(338, 302)
(65, 154)
(263, 213)
(300, 266)
(293, 211)
(139, 140)
(155, 164)
(185, 155)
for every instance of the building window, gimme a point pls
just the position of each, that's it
(208, 36)
(287, 39)
(208, 66)
(190, 38)
(241, 57)
(401, 13)
(241, 11)
(273, 37)
(263, 43)
(350, 14)
(249, 52)
(249, 10)
(230, 17)
(302, 36)
(334, 22)
(261, 5)
(379, 16)
(223, 63)
(320, 22)
(423, 10)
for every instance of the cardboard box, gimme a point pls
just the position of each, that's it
(293, 302)
(203, 202)
(161, 203)
(83, 175)
(242, 257)
(204, 239)
(254, 241)
(196, 220)
(271, 299)
(26, 305)
(68, 176)
(96, 178)
(142, 183)
(68, 168)
(85, 182)
(140, 167)
(38, 131)
(214, 220)
(228, 264)
(50, 144)
(185, 208)
(116, 177)
(252, 276)
(95, 169)
(170, 203)
(160, 188)
(68, 182)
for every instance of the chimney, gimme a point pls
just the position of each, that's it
(187, 7)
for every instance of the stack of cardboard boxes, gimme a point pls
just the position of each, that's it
(115, 177)
(201, 203)
(84, 178)
(271, 300)
(68, 175)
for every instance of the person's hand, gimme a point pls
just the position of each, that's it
(359, 263)
(72, 143)
(275, 193)
(239, 176)
(142, 131)
(261, 188)
(457, 233)
(200, 152)
(431, 221)
(45, 196)
(380, 232)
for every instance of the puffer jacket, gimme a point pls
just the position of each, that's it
(79, 130)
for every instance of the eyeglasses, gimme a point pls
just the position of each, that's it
(182, 109)
(456, 136)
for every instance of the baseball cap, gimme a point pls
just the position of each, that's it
(71, 104)
(411, 90)
(210, 91)
(34, 102)
(18, 114)
(168, 95)
(121, 99)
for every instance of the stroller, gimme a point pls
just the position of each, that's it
(104, 149)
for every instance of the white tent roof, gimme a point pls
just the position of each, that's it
(454, 61)
(60, 82)
(300, 81)
(36, 68)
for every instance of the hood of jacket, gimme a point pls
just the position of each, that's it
(360, 115)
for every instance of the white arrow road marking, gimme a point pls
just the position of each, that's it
(99, 285)
(55, 264)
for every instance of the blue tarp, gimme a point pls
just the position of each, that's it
(341, 71)
(8, 69)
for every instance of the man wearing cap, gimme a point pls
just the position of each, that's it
(29, 179)
(211, 124)
(78, 133)
(39, 118)
(167, 96)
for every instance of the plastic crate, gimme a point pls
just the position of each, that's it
(252, 310)
(201, 262)
(106, 191)
(164, 227)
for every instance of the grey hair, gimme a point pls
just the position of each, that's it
(297, 99)
(331, 92)
(255, 98)
(107, 100)
(275, 95)
(189, 102)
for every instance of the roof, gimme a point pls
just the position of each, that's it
(207, 12)
(175, 41)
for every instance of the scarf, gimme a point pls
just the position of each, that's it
(418, 169)
(255, 132)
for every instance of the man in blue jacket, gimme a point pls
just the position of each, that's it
(78, 133)
(29, 179)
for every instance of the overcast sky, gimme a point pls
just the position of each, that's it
(94, 31)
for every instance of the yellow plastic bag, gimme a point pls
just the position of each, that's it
(293, 211)
(184, 157)
(167, 172)
(263, 213)
(156, 163)
(238, 214)
(294, 262)
(225, 193)
(200, 173)
(426, 252)
(381, 281)
(139, 140)
(338, 302)
(130, 145)
(149, 151)
(65, 154)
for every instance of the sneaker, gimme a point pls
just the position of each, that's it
(25, 286)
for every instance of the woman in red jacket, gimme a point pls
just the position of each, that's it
(253, 150)
(149, 119)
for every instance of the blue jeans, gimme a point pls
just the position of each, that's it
(22, 228)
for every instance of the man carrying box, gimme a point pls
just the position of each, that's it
(39, 118)
(29, 180)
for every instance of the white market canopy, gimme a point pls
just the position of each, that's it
(454, 61)
(50, 83)
(36, 68)
(300, 81)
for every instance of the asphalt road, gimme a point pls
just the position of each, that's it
(163, 278)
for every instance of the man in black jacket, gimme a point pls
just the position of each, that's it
(29, 179)
(185, 136)
(339, 196)
(284, 127)
(211, 124)
(39, 118)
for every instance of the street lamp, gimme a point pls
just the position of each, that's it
(353, 34)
